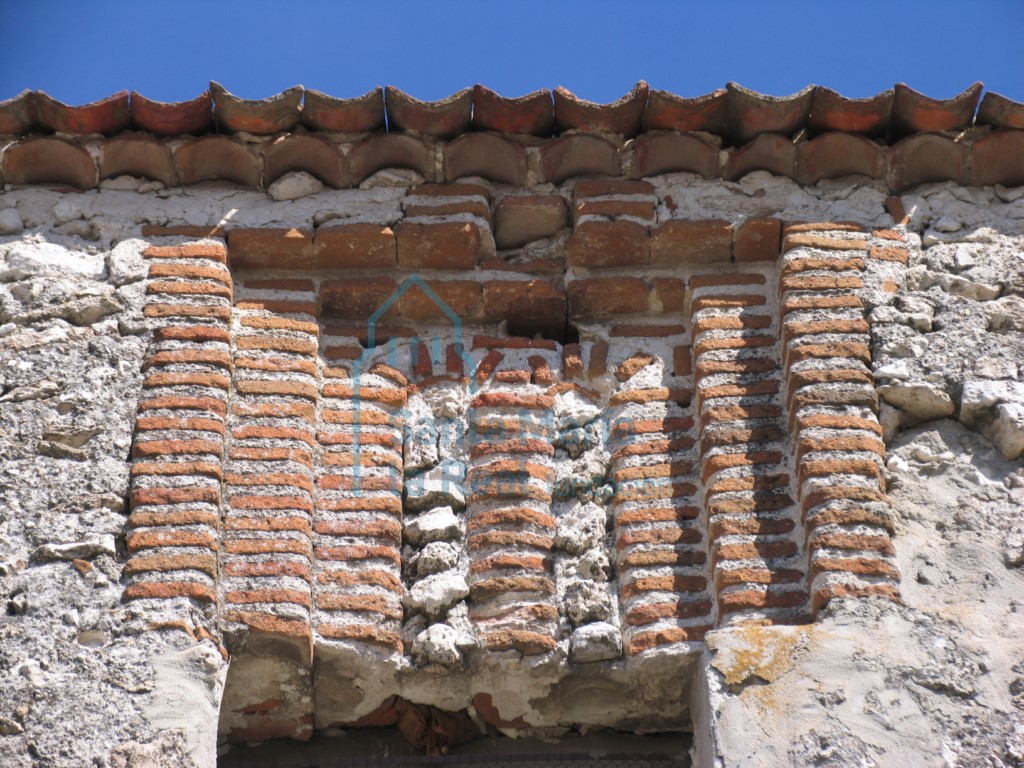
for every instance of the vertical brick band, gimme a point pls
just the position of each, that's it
(510, 483)
(754, 553)
(176, 472)
(838, 449)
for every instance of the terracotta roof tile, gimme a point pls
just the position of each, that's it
(624, 116)
(1001, 112)
(108, 115)
(674, 113)
(216, 158)
(768, 152)
(48, 160)
(302, 152)
(831, 111)
(17, 115)
(163, 119)
(998, 159)
(321, 112)
(655, 153)
(487, 155)
(259, 116)
(533, 113)
(913, 112)
(750, 113)
(443, 118)
(137, 155)
(924, 158)
(391, 150)
(835, 154)
(578, 155)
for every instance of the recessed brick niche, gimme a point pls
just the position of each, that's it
(399, 465)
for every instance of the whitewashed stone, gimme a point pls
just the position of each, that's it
(435, 593)
(10, 222)
(438, 644)
(595, 642)
(28, 259)
(77, 550)
(440, 524)
(920, 401)
(295, 184)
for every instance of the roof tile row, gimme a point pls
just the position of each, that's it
(734, 113)
(995, 158)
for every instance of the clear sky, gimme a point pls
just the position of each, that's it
(79, 51)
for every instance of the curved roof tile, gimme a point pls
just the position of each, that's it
(924, 158)
(302, 152)
(321, 112)
(835, 154)
(578, 154)
(831, 111)
(442, 119)
(913, 112)
(624, 116)
(533, 113)
(18, 114)
(216, 158)
(107, 116)
(674, 113)
(137, 155)
(484, 154)
(1001, 112)
(172, 119)
(259, 116)
(750, 114)
(768, 152)
(49, 160)
(998, 159)
(655, 153)
(390, 150)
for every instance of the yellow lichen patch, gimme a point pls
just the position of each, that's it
(765, 653)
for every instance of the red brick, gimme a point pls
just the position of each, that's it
(369, 576)
(638, 209)
(271, 248)
(359, 552)
(754, 599)
(285, 388)
(364, 633)
(512, 400)
(355, 246)
(375, 529)
(281, 306)
(901, 255)
(183, 468)
(833, 421)
(272, 433)
(532, 305)
(214, 357)
(234, 522)
(170, 537)
(527, 643)
(273, 454)
(175, 518)
(277, 365)
(644, 558)
(357, 297)
(170, 589)
(186, 310)
(680, 609)
(192, 271)
(758, 240)
(170, 447)
(360, 603)
(606, 187)
(646, 641)
(888, 234)
(193, 333)
(820, 242)
(209, 251)
(262, 502)
(794, 303)
(750, 365)
(502, 585)
(691, 242)
(445, 245)
(715, 280)
(463, 299)
(725, 302)
(519, 220)
(851, 349)
(268, 596)
(189, 288)
(271, 478)
(266, 546)
(281, 324)
(732, 323)
(597, 298)
(144, 424)
(897, 210)
(676, 583)
(148, 563)
(597, 244)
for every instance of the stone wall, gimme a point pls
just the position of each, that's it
(91, 336)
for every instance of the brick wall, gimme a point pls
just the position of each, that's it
(644, 430)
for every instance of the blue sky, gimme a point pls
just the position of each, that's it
(79, 51)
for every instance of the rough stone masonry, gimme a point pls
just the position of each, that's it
(538, 455)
